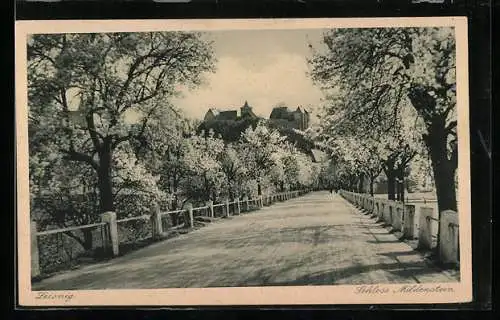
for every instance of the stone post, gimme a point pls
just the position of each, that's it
(387, 212)
(380, 213)
(425, 228)
(155, 218)
(210, 205)
(227, 208)
(397, 217)
(238, 209)
(409, 221)
(109, 218)
(189, 214)
(449, 239)
(247, 205)
(35, 258)
(375, 208)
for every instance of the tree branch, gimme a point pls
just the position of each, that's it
(78, 156)
(449, 128)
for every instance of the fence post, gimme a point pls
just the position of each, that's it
(155, 218)
(376, 208)
(409, 221)
(425, 228)
(380, 213)
(238, 209)
(448, 242)
(109, 218)
(247, 205)
(35, 258)
(227, 208)
(210, 205)
(190, 217)
(397, 218)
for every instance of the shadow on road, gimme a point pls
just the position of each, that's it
(407, 271)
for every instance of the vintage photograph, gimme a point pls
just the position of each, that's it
(280, 156)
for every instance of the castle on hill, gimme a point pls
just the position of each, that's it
(230, 115)
(281, 116)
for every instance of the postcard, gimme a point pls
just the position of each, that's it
(248, 162)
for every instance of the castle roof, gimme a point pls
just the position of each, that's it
(228, 115)
(279, 112)
(224, 114)
(214, 111)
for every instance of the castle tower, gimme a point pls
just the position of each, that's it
(300, 118)
(246, 110)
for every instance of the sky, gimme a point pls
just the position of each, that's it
(263, 67)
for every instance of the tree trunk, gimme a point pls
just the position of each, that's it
(398, 188)
(360, 183)
(442, 167)
(206, 186)
(402, 184)
(444, 175)
(259, 189)
(352, 183)
(391, 185)
(372, 183)
(104, 178)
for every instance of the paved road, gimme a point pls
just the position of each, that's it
(317, 239)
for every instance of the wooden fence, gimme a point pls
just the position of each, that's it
(110, 232)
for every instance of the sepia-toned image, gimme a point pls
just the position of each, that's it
(271, 161)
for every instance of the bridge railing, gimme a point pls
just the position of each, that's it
(422, 225)
(55, 247)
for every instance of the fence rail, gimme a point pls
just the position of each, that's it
(414, 225)
(143, 217)
(155, 226)
(68, 229)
